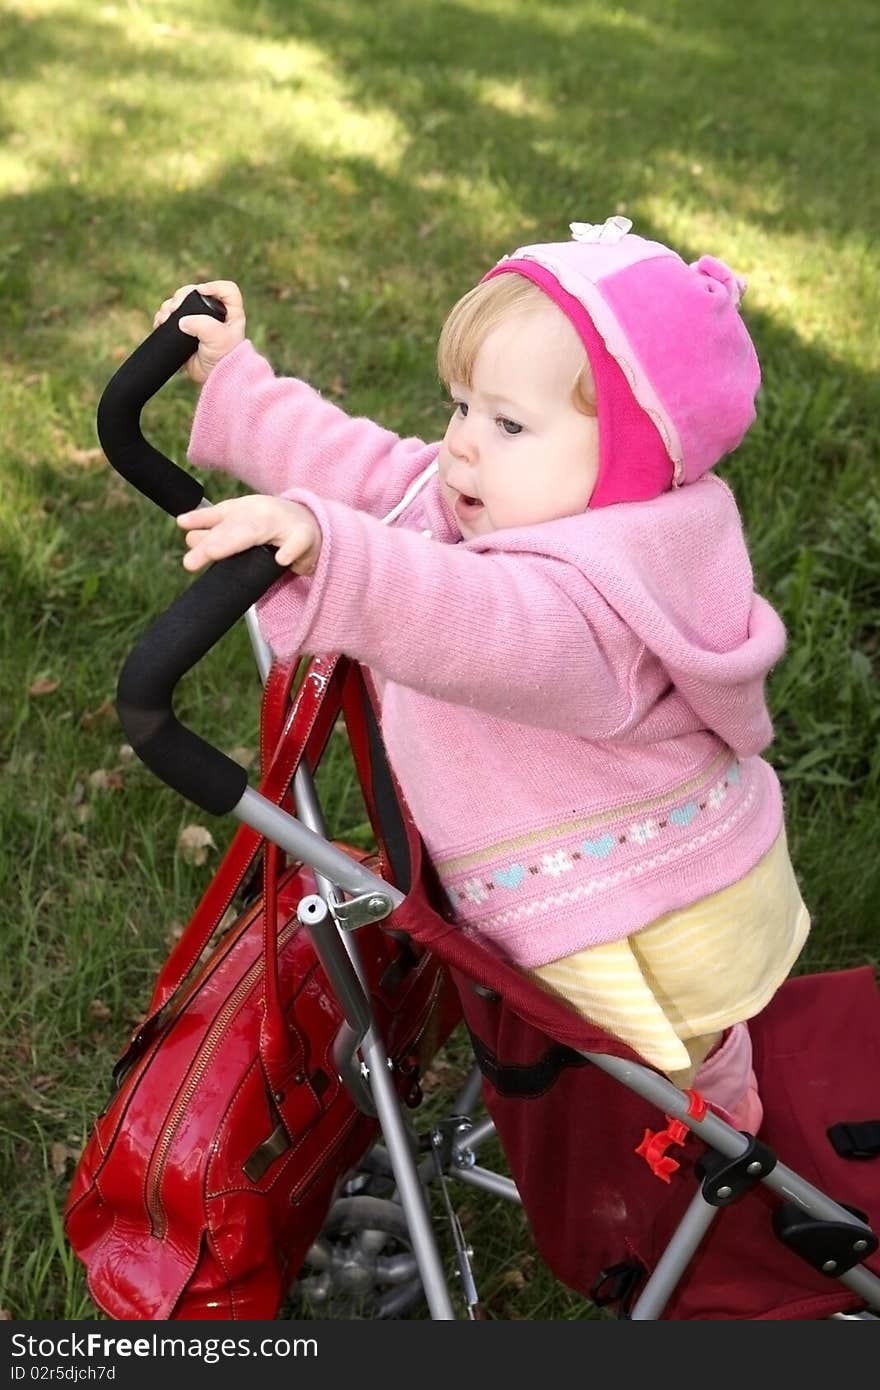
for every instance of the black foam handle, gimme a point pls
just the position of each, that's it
(174, 643)
(206, 610)
(119, 412)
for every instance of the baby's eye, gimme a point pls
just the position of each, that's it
(509, 426)
(460, 407)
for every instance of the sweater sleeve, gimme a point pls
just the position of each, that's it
(522, 637)
(277, 433)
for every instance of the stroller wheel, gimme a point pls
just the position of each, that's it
(362, 1264)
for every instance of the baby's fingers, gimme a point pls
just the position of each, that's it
(295, 544)
(195, 537)
(168, 306)
(197, 551)
(202, 517)
(198, 525)
(223, 535)
(195, 559)
(206, 547)
(227, 291)
(208, 330)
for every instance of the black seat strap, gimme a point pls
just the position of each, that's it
(391, 825)
(525, 1082)
(859, 1139)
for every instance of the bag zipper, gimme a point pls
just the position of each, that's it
(202, 1060)
(155, 1208)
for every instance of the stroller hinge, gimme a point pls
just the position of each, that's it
(831, 1247)
(361, 911)
(726, 1179)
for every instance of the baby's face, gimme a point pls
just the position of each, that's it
(517, 451)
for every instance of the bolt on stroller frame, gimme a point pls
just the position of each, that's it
(350, 896)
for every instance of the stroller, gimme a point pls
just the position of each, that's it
(624, 1179)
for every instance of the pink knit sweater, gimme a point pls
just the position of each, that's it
(573, 710)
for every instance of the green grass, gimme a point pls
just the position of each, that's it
(356, 167)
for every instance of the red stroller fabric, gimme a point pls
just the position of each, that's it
(593, 1203)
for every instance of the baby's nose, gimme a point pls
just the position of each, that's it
(464, 442)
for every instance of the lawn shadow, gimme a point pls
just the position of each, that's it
(352, 259)
(605, 101)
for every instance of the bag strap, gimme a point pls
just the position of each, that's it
(273, 708)
(293, 736)
(282, 1050)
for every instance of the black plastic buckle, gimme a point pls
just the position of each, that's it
(726, 1179)
(831, 1247)
(410, 1071)
(856, 1140)
(617, 1284)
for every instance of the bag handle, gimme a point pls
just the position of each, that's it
(291, 738)
(281, 1048)
(282, 1051)
(274, 1047)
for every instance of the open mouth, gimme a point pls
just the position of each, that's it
(466, 508)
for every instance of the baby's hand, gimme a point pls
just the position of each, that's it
(242, 522)
(215, 339)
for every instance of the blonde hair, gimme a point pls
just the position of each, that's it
(481, 310)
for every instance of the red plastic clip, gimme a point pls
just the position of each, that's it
(697, 1106)
(655, 1142)
(653, 1150)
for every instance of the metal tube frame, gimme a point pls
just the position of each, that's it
(675, 1258)
(339, 956)
(730, 1142)
(338, 953)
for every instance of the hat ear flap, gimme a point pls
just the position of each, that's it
(721, 274)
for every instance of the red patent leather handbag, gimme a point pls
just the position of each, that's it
(213, 1167)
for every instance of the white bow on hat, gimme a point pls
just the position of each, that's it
(609, 231)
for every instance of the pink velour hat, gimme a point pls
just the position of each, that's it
(674, 368)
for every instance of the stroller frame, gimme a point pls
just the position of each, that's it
(332, 923)
(349, 896)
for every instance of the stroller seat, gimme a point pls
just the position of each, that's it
(600, 1214)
